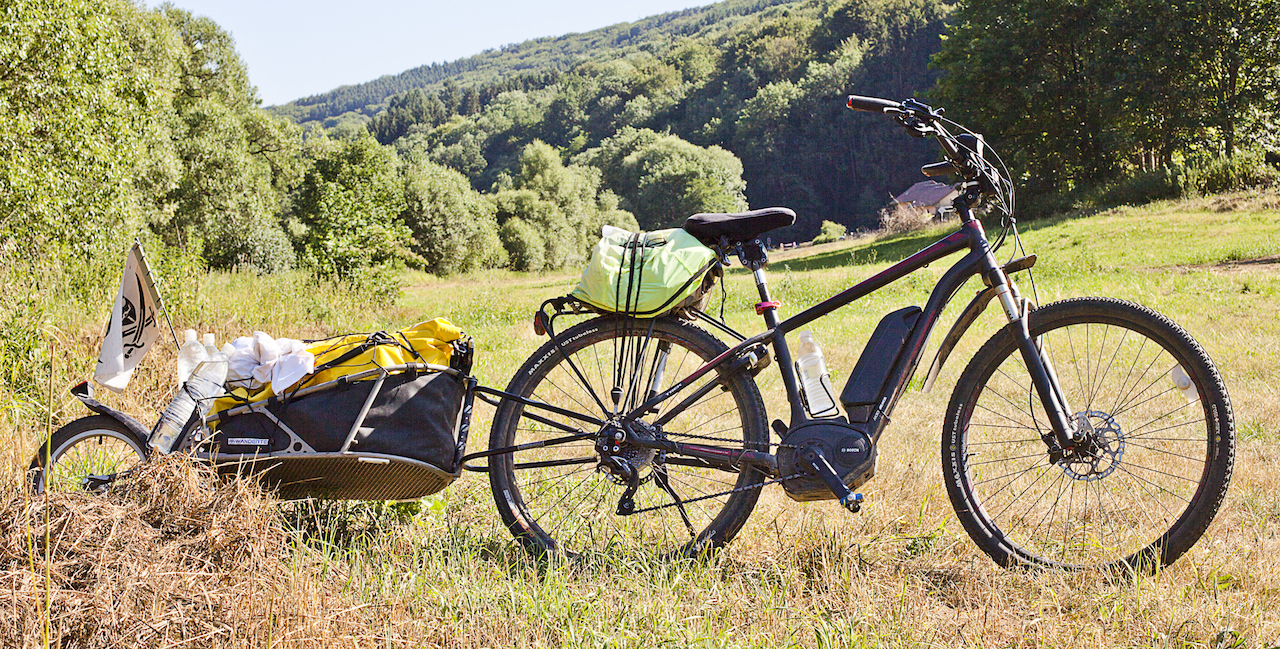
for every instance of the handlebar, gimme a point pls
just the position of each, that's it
(965, 151)
(872, 104)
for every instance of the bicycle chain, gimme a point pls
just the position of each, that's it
(678, 436)
(730, 492)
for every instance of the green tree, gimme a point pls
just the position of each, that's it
(79, 94)
(235, 160)
(525, 244)
(830, 231)
(453, 226)
(662, 178)
(349, 207)
(1034, 75)
(1083, 90)
(562, 204)
(1237, 49)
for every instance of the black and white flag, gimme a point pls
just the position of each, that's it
(133, 326)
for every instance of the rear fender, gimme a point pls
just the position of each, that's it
(967, 317)
(84, 392)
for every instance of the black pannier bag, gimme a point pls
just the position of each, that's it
(329, 440)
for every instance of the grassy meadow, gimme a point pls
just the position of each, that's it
(900, 574)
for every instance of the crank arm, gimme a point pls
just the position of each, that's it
(815, 463)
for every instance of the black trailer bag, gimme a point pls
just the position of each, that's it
(415, 415)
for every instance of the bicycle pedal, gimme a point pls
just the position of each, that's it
(852, 502)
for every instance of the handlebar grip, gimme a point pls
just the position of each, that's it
(872, 104)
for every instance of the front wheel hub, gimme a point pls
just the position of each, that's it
(1100, 449)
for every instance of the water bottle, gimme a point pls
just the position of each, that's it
(814, 380)
(189, 356)
(209, 344)
(205, 382)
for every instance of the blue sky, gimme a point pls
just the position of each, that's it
(295, 49)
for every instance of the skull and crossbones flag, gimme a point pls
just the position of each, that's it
(133, 325)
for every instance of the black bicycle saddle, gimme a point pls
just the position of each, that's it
(741, 226)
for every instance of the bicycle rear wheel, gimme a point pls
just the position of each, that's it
(563, 499)
(1157, 451)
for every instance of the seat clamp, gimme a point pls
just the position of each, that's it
(761, 306)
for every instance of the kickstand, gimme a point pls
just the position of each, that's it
(660, 477)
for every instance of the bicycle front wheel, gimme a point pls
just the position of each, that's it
(1155, 449)
(90, 446)
(566, 499)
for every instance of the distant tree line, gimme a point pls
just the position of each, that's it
(537, 56)
(758, 98)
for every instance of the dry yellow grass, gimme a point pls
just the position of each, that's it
(900, 574)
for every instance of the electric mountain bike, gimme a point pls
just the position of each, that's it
(1090, 432)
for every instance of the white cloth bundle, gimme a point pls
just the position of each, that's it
(260, 359)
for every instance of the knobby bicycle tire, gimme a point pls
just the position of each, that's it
(571, 509)
(1158, 466)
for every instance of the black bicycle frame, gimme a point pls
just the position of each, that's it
(979, 260)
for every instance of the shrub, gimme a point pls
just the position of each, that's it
(831, 231)
(1223, 174)
(1146, 187)
(525, 245)
(453, 226)
(260, 245)
(904, 217)
(350, 202)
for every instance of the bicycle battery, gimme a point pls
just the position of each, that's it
(866, 386)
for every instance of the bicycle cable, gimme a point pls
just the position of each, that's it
(730, 492)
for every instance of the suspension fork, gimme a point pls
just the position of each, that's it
(1043, 376)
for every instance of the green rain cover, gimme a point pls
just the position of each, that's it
(645, 273)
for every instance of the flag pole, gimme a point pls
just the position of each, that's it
(159, 297)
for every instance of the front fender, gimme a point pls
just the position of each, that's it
(84, 392)
(967, 317)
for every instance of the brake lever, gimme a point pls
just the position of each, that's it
(913, 124)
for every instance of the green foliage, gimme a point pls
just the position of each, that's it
(537, 61)
(1223, 174)
(562, 205)
(77, 97)
(121, 118)
(1146, 187)
(525, 245)
(1080, 93)
(453, 226)
(737, 102)
(830, 232)
(233, 157)
(349, 204)
(662, 178)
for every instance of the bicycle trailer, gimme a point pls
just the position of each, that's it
(378, 419)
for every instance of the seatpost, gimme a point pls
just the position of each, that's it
(753, 257)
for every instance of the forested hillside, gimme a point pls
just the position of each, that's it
(696, 105)
(123, 122)
(535, 58)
